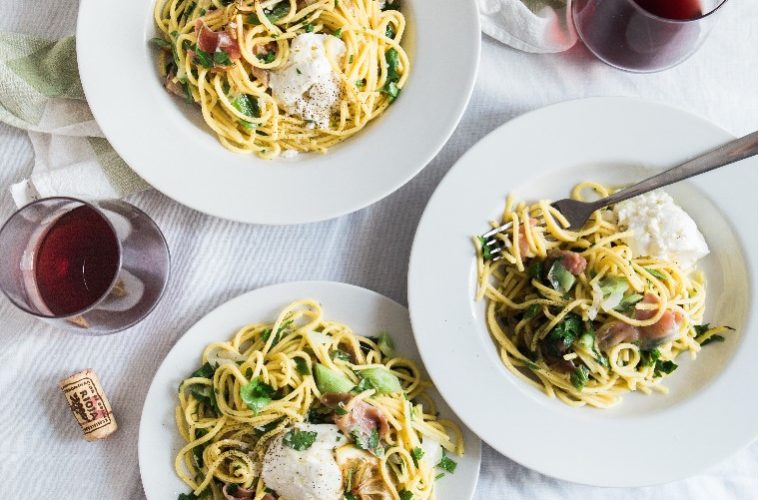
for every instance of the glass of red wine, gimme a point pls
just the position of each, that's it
(90, 267)
(644, 35)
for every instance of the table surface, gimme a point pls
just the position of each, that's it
(215, 260)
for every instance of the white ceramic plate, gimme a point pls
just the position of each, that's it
(365, 311)
(711, 411)
(169, 145)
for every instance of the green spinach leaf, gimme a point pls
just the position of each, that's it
(256, 395)
(274, 14)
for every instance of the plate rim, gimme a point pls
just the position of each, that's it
(86, 34)
(295, 288)
(413, 288)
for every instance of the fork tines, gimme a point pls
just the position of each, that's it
(494, 245)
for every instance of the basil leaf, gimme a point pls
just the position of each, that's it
(266, 333)
(287, 324)
(205, 371)
(567, 330)
(201, 392)
(203, 58)
(416, 455)
(275, 14)
(299, 440)
(221, 57)
(665, 367)
(393, 64)
(187, 93)
(249, 107)
(302, 367)
(391, 88)
(160, 42)
(365, 442)
(268, 57)
(205, 394)
(649, 358)
(535, 270)
(531, 311)
(447, 465)
(579, 377)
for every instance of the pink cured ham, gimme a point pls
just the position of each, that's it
(649, 336)
(616, 333)
(362, 418)
(667, 326)
(239, 493)
(572, 261)
(212, 41)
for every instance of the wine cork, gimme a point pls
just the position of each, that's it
(88, 403)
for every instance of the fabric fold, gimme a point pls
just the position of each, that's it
(40, 92)
(540, 26)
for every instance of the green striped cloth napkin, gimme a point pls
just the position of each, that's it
(40, 92)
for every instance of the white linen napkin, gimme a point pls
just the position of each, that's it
(40, 92)
(530, 25)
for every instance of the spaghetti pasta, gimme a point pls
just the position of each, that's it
(266, 381)
(580, 317)
(221, 55)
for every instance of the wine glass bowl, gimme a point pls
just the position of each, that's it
(644, 36)
(88, 267)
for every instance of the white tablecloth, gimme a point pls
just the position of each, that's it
(44, 455)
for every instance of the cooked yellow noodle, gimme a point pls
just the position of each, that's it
(232, 451)
(509, 292)
(363, 71)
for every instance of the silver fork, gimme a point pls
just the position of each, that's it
(577, 213)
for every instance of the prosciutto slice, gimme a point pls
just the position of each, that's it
(212, 41)
(237, 493)
(616, 333)
(362, 418)
(572, 261)
(667, 326)
(649, 336)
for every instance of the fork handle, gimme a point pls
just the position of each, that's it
(731, 152)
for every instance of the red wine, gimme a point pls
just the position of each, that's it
(628, 36)
(680, 10)
(76, 261)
